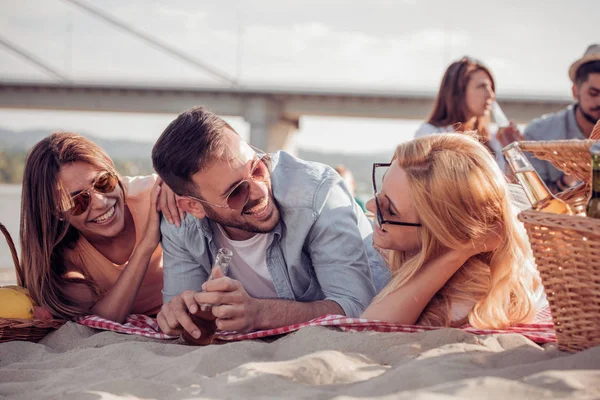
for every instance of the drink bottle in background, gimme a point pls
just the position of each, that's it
(499, 117)
(507, 131)
(593, 207)
(537, 192)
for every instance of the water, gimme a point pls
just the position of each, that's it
(10, 210)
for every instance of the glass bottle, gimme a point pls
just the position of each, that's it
(222, 260)
(204, 318)
(537, 192)
(593, 207)
(499, 117)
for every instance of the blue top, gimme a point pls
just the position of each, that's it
(561, 125)
(320, 248)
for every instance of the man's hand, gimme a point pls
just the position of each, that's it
(174, 316)
(234, 308)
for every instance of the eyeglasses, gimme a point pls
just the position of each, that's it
(237, 197)
(378, 216)
(104, 183)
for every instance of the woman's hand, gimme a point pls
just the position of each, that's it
(490, 242)
(152, 235)
(167, 204)
(509, 134)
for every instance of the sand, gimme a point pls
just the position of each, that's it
(77, 362)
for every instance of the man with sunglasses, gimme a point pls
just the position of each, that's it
(297, 236)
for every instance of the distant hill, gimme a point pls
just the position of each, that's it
(116, 149)
(133, 157)
(130, 157)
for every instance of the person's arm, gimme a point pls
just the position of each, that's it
(405, 304)
(182, 270)
(183, 276)
(167, 201)
(337, 251)
(117, 302)
(508, 134)
(238, 311)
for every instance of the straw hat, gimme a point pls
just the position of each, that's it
(591, 54)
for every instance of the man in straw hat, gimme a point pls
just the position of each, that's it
(575, 121)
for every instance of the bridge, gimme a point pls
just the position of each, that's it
(272, 113)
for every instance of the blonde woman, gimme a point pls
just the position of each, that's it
(448, 231)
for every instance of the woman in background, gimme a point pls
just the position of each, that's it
(450, 236)
(90, 239)
(464, 103)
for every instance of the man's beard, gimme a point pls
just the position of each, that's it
(587, 116)
(244, 225)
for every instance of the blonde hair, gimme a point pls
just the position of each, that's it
(461, 196)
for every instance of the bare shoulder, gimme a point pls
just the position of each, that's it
(137, 185)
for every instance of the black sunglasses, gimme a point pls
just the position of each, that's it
(378, 216)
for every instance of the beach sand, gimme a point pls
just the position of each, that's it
(77, 362)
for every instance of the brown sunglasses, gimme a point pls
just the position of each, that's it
(104, 183)
(238, 197)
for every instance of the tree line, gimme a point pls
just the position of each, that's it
(12, 165)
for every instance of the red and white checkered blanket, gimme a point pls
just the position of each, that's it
(540, 330)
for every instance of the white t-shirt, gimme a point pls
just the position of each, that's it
(249, 263)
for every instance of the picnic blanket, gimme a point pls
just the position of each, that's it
(540, 330)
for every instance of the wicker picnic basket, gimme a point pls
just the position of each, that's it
(31, 330)
(567, 248)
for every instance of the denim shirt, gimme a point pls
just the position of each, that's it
(557, 126)
(319, 249)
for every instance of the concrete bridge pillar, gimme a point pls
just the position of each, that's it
(269, 129)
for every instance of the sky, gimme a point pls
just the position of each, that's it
(391, 45)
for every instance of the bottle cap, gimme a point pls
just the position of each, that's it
(510, 146)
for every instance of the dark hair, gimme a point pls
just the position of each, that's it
(190, 143)
(584, 71)
(45, 235)
(450, 107)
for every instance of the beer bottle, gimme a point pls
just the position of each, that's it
(537, 192)
(593, 207)
(204, 318)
